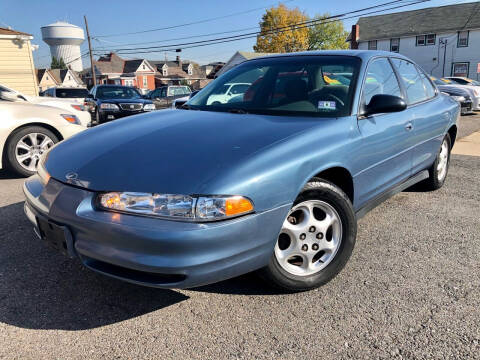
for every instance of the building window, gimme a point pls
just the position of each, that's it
(69, 77)
(46, 77)
(460, 69)
(395, 45)
(429, 39)
(143, 67)
(462, 39)
(372, 45)
(145, 82)
(190, 70)
(165, 71)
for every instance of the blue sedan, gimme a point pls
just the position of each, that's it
(274, 179)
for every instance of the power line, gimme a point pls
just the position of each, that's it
(292, 27)
(190, 23)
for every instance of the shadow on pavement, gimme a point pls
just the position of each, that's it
(7, 174)
(42, 289)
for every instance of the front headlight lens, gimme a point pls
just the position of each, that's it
(458, 98)
(108, 106)
(149, 107)
(181, 207)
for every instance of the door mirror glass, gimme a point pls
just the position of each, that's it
(382, 103)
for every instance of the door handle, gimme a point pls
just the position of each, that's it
(409, 126)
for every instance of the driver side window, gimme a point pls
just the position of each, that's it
(380, 79)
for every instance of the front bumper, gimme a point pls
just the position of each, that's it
(154, 252)
(109, 115)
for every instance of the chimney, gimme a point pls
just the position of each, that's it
(179, 61)
(354, 36)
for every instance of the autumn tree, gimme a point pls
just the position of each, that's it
(327, 34)
(286, 39)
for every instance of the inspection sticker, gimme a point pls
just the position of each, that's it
(327, 105)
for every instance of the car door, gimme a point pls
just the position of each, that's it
(386, 156)
(431, 118)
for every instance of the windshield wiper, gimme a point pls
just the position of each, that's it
(237, 111)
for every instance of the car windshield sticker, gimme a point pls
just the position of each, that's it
(327, 105)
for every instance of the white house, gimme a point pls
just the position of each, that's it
(238, 58)
(444, 40)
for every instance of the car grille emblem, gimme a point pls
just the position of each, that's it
(132, 107)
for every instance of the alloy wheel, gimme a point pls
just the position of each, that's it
(442, 161)
(29, 149)
(309, 239)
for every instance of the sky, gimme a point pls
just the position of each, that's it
(122, 16)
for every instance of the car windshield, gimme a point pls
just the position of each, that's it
(178, 90)
(117, 92)
(71, 93)
(293, 86)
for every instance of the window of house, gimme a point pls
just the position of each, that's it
(411, 80)
(190, 70)
(460, 69)
(395, 45)
(372, 45)
(145, 82)
(143, 67)
(69, 77)
(165, 70)
(462, 39)
(380, 80)
(428, 39)
(47, 77)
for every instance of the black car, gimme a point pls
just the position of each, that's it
(110, 102)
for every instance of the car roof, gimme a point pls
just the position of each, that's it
(363, 54)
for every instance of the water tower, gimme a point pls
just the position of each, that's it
(64, 40)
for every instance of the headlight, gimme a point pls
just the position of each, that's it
(458, 98)
(149, 107)
(181, 207)
(72, 119)
(107, 106)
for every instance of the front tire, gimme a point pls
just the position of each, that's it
(25, 147)
(316, 240)
(439, 170)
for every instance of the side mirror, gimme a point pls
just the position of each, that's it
(382, 103)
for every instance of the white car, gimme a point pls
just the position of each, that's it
(72, 106)
(227, 92)
(473, 91)
(28, 130)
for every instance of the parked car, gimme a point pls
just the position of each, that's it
(449, 86)
(229, 92)
(70, 106)
(164, 96)
(28, 130)
(178, 103)
(73, 93)
(463, 80)
(186, 198)
(110, 102)
(457, 93)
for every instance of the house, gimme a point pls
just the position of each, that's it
(179, 72)
(16, 62)
(55, 77)
(239, 57)
(112, 69)
(212, 69)
(443, 40)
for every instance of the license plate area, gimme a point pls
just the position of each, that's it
(56, 236)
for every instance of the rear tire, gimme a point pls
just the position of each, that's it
(439, 170)
(25, 147)
(316, 240)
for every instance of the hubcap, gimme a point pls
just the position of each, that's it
(309, 239)
(29, 149)
(442, 161)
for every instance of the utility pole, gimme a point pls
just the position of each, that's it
(444, 42)
(92, 67)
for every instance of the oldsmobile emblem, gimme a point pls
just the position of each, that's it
(71, 176)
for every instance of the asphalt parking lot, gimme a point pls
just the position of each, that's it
(410, 290)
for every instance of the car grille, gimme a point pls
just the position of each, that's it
(131, 107)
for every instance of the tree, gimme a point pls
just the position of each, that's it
(58, 64)
(327, 34)
(284, 40)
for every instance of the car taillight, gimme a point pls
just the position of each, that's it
(79, 107)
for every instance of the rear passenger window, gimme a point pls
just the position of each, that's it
(428, 85)
(412, 81)
(380, 80)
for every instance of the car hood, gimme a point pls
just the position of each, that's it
(168, 151)
(453, 90)
(126, 101)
